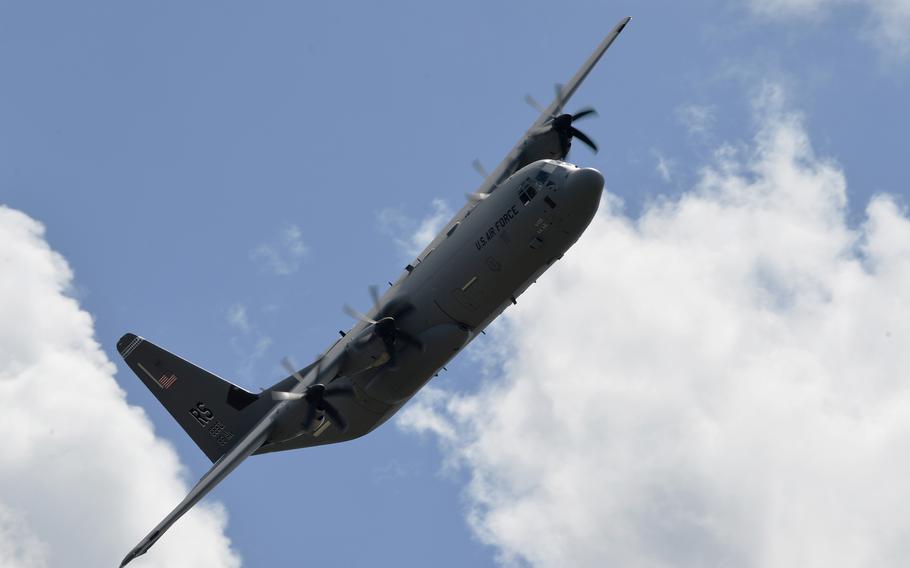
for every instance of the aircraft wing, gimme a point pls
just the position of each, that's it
(508, 166)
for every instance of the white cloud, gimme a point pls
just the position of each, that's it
(664, 167)
(720, 382)
(251, 344)
(250, 353)
(430, 225)
(237, 318)
(412, 236)
(283, 255)
(82, 476)
(890, 27)
(791, 8)
(887, 21)
(697, 119)
(19, 546)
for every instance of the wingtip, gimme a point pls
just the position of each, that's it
(622, 23)
(139, 549)
(129, 558)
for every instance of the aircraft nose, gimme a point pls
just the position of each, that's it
(586, 181)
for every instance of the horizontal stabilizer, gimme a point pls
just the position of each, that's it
(241, 450)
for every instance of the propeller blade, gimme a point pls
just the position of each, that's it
(335, 417)
(557, 88)
(410, 339)
(478, 167)
(576, 133)
(282, 395)
(290, 368)
(534, 104)
(357, 315)
(583, 113)
(374, 294)
(312, 375)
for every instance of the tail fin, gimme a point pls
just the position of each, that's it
(215, 413)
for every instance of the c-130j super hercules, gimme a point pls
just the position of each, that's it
(522, 219)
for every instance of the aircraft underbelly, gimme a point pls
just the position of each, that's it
(441, 342)
(459, 287)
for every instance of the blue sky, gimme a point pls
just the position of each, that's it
(222, 178)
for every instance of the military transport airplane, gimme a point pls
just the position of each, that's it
(522, 219)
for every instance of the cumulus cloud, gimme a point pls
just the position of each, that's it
(887, 21)
(82, 475)
(890, 27)
(250, 344)
(411, 236)
(282, 256)
(781, 8)
(719, 382)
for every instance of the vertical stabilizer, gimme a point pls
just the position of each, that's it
(214, 412)
(226, 422)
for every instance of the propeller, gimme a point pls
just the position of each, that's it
(315, 395)
(385, 326)
(534, 104)
(478, 167)
(562, 123)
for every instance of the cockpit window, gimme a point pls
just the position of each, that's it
(527, 194)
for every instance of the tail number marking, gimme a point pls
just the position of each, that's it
(204, 416)
(202, 413)
(221, 435)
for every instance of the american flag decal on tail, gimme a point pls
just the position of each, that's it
(167, 380)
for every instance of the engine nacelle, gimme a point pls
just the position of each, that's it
(366, 351)
(392, 385)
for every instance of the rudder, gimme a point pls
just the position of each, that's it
(214, 412)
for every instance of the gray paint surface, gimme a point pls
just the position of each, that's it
(527, 213)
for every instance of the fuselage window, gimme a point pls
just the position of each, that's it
(524, 197)
(452, 230)
(531, 192)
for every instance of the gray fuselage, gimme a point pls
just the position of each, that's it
(487, 255)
